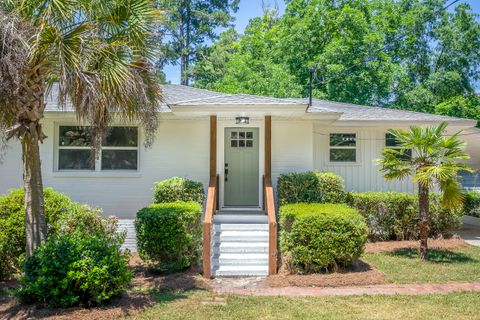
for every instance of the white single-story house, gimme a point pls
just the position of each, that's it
(243, 139)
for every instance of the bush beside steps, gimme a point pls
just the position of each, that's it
(178, 189)
(321, 237)
(169, 235)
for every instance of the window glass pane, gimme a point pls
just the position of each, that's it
(121, 137)
(242, 135)
(249, 135)
(241, 143)
(249, 143)
(390, 140)
(72, 159)
(343, 155)
(234, 143)
(343, 139)
(119, 159)
(234, 135)
(74, 136)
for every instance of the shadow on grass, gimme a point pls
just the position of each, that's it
(435, 255)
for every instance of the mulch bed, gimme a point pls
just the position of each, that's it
(361, 273)
(134, 301)
(442, 244)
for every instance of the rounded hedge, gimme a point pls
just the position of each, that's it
(310, 187)
(321, 237)
(12, 225)
(178, 189)
(170, 234)
(393, 215)
(76, 268)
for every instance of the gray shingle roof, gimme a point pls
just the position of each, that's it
(178, 95)
(356, 112)
(183, 95)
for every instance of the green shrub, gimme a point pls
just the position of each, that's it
(310, 187)
(170, 234)
(78, 266)
(321, 237)
(471, 204)
(178, 189)
(393, 215)
(12, 225)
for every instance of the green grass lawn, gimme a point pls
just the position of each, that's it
(190, 306)
(443, 266)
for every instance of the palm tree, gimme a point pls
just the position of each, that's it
(431, 159)
(97, 52)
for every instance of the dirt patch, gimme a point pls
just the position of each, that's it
(135, 300)
(359, 274)
(388, 246)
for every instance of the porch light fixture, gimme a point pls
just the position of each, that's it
(242, 120)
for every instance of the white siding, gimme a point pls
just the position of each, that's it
(181, 148)
(364, 175)
(292, 147)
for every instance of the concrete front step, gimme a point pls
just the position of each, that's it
(240, 236)
(241, 271)
(224, 259)
(240, 247)
(258, 218)
(240, 227)
(240, 244)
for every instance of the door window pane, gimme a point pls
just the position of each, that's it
(74, 159)
(119, 159)
(249, 135)
(74, 136)
(249, 143)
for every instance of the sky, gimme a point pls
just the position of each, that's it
(249, 9)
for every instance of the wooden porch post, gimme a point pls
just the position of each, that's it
(212, 200)
(268, 147)
(269, 201)
(213, 146)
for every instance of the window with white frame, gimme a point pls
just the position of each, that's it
(392, 143)
(343, 147)
(119, 150)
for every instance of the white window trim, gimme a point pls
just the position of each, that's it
(98, 162)
(356, 148)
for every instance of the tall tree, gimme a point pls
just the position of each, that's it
(409, 54)
(188, 25)
(434, 162)
(245, 65)
(98, 53)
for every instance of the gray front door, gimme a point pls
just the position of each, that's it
(241, 167)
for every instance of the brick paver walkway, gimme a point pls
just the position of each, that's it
(386, 289)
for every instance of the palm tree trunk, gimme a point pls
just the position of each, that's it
(32, 102)
(424, 204)
(36, 228)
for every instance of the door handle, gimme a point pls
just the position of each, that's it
(226, 172)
